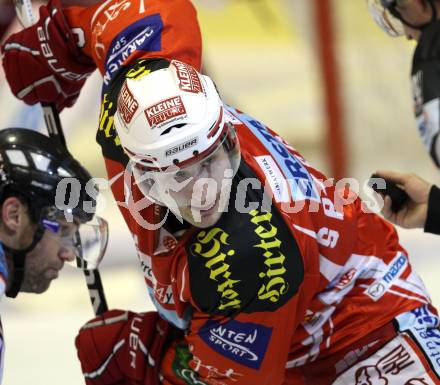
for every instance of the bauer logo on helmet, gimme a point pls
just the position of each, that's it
(181, 147)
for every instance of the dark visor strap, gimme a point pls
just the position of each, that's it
(18, 259)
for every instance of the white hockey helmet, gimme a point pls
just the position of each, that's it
(172, 124)
(171, 116)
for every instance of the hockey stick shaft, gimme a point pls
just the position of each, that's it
(25, 14)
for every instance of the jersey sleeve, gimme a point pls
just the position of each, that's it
(116, 33)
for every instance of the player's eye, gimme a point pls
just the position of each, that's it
(67, 231)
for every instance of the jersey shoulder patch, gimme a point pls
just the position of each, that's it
(248, 261)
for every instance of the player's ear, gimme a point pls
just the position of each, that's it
(12, 211)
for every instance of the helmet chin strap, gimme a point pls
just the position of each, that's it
(418, 27)
(18, 259)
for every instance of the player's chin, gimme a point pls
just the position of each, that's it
(206, 220)
(51, 274)
(42, 289)
(37, 283)
(45, 280)
(37, 287)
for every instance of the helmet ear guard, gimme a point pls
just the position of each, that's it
(230, 140)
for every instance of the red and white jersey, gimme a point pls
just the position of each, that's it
(263, 293)
(114, 32)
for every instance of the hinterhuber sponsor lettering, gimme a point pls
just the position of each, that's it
(209, 246)
(274, 284)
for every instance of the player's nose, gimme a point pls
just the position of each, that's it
(66, 255)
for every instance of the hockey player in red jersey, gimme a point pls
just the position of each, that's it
(261, 271)
(270, 276)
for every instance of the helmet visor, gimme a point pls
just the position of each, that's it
(84, 242)
(90, 243)
(197, 184)
(386, 16)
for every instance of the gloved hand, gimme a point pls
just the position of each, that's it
(43, 63)
(121, 347)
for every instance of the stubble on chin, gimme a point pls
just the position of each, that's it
(36, 284)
